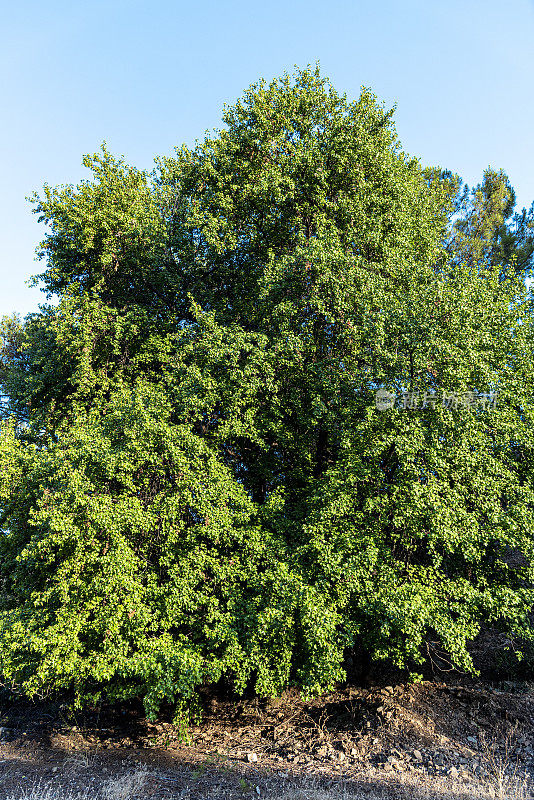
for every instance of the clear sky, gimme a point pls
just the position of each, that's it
(147, 76)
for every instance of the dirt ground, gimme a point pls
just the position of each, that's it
(427, 740)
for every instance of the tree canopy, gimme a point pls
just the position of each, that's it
(196, 481)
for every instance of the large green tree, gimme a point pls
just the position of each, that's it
(196, 481)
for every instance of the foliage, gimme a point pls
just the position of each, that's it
(487, 232)
(196, 482)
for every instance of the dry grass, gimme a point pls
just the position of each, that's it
(405, 793)
(126, 787)
(409, 788)
(132, 786)
(505, 775)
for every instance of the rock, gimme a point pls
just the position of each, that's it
(353, 751)
(341, 756)
(453, 772)
(417, 755)
(252, 757)
(472, 739)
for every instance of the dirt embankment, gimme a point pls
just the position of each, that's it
(428, 740)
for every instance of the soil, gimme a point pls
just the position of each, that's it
(432, 739)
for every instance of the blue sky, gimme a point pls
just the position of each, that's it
(146, 77)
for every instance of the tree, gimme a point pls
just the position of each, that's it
(203, 485)
(487, 232)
